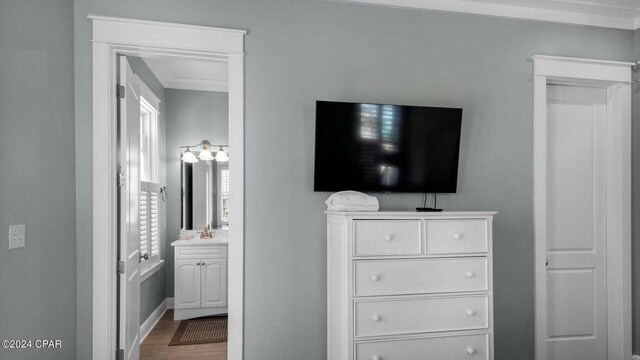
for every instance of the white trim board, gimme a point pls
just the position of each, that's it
(152, 320)
(161, 35)
(112, 37)
(567, 12)
(149, 272)
(616, 78)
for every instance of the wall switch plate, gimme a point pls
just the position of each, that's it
(16, 236)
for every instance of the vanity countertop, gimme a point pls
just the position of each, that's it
(200, 242)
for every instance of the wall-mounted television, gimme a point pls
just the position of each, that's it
(386, 148)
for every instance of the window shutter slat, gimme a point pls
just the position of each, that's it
(154, 222)
(144, 222)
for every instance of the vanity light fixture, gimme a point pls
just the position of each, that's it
(205, 154)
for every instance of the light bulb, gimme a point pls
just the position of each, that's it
(222, 156)
(205, 154)
(189, 157)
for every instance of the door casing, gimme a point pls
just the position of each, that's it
(119, 36)
(616, 78)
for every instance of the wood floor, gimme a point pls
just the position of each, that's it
(156, 345)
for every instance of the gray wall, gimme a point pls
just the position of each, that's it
(37, 282)
(192, 116)
(301, 51)
(153, 290)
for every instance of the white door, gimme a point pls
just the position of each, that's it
(214, 282)
(576, 309)
(187, 285)
(129, 246)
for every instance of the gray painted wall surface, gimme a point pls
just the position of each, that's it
(152, 293)
(153, 290)
(37, 282)
(302, 51)
(192, 116)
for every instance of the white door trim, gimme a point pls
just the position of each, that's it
(112, 36)
(616, 78)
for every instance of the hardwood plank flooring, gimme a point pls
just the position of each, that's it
(156, 345)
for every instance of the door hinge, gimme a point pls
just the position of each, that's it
(120, 267)
(121, 179)
(120, 354)
(120, 92)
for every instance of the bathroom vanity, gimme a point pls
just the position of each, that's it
(200, 273)
(200, 265)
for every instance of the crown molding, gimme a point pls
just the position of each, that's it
(626, 19)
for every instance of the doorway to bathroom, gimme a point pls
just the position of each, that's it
(174, 210)
(208, 197)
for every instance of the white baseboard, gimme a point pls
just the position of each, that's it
(635, 357)
(170, 303)
(153, 319)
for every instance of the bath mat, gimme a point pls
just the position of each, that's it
(200, 331)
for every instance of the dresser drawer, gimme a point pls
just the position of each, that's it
(405, 316)
(199, 252)
(419, 276)
(467, 347)
(456, 236)
(387, 237)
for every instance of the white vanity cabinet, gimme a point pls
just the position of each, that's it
(200, 278)
(405, 285)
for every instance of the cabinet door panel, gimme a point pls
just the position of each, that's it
(187, 284)
(214, 282)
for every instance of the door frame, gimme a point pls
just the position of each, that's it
(116, 36)
(616, 78)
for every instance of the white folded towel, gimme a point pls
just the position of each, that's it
(352, 201)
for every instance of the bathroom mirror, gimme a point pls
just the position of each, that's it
(205, 194)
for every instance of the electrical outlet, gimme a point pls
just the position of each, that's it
(16, 236)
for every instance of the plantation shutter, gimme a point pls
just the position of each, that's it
(154, 220)
(224, 181)
(144, 221)
(149, 219)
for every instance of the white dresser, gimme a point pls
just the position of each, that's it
(409, 286)
(200, 278)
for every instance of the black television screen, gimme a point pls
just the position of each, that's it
(386, 148)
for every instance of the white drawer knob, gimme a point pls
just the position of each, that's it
(375, 318)
(388, 237)
(375, 278)
(471, 312)
(376, 357)
(457, 236)
(471, 351)
(471, 274)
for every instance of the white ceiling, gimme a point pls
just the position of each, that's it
(618, 14)
(190, 74)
